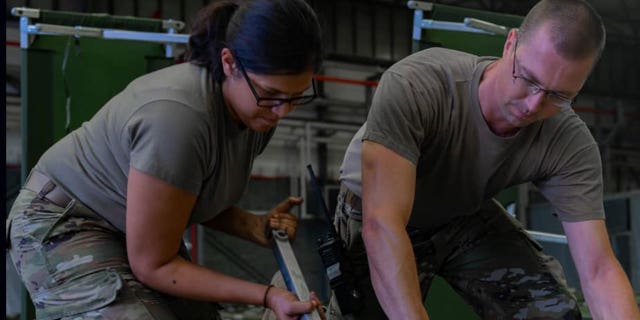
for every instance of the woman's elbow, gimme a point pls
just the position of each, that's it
(142, 269)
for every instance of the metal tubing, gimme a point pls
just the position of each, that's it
(548, 237)
(145, 36)
(417, 24)
(452, 26)
(24, 34)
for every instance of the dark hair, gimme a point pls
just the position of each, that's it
(268, 36)
(577, 30)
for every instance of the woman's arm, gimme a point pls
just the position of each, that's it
(252, 227)
(157, 214)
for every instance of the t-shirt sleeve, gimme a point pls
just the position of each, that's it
(395, 119)
(575, 190)
(168, 140)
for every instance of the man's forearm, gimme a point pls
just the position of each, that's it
(604, 283)
(609, 294)
(393, 271)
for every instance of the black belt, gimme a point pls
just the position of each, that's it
(39, 183)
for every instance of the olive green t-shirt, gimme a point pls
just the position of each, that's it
(426, 109)
(171, 124)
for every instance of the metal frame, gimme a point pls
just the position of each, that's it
(169, 39)
(468, 25)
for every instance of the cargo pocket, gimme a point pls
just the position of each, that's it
(86, 293)
(80, 244)
(28, 222)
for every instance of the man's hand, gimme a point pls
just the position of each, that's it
(277, 218)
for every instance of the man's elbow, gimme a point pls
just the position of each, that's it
(603, 270)
(374, 228)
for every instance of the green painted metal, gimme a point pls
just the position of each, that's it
(443, 303)
(36, 106)
(478, 44)
(96, 70)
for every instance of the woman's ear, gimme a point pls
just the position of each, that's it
(228, 62)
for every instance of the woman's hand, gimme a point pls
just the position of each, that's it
(286, 305)
(277, 218)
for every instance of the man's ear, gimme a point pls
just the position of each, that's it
(228, 62)
(512, 37)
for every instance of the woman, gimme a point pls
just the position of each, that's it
(96, 230)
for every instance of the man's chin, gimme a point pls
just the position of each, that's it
(263, 126)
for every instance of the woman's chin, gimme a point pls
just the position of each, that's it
(263, 125)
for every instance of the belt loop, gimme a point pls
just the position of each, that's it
(29, 176)
(7, 235)
(46, 189)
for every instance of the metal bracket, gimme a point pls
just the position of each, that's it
(26, 12)
(420, 5)
(172, 24)
(486, 26)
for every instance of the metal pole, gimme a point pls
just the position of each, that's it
(291, 270)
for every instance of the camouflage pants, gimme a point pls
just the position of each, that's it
(74, 265)
(486, 257)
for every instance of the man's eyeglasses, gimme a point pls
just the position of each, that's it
(533, 88)
(274, 102)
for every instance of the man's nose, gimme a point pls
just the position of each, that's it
(535, 102)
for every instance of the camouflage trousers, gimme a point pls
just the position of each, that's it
(74, 265)
(487, 258)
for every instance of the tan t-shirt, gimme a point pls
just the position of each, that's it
(171, 124)
(426, 109)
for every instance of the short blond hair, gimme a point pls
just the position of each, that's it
(575, 28)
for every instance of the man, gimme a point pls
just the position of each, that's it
(446, 132)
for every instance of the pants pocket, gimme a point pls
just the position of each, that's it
(80, 245)
(29, 220)
(88, 292)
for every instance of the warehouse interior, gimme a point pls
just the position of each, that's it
(67, 75)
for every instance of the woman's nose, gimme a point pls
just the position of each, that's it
(283, 109)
